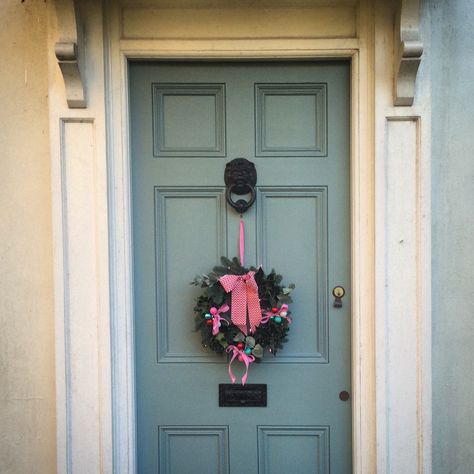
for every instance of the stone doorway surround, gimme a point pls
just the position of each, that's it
(90, 44)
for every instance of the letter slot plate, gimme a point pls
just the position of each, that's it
(251, 395)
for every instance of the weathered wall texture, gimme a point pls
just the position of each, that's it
(453, 235)
(27, 419)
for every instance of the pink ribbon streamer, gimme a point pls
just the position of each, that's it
(243, 357)
(241, 241)
(216, 318)
(244, 297)
(269, 314)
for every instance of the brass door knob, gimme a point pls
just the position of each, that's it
(338, 292)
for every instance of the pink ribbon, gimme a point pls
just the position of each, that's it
(270, 314)
(244, 296)
(241, 241)
(243, 357)
(216, 318)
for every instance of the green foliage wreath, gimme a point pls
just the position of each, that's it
(217, 329)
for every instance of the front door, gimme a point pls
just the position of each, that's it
(291, 119)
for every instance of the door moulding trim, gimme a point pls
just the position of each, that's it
(362, 247)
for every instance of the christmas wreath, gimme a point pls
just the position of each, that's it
(243, 312)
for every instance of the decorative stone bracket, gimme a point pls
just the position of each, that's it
(409, 51)
(68, 50)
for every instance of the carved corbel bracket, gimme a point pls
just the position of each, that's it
(409, 49)
(68, 51)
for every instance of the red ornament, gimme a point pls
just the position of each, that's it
(274, 310)
(240, 345)
(209, 322)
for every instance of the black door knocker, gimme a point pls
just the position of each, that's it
(240, 177)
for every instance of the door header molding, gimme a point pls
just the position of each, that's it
(69, 48)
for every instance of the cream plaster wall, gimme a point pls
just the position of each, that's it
(27, 411)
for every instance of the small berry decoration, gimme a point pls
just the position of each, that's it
(242, 312)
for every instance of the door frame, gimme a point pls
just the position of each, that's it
(362, 240)
(93, 270)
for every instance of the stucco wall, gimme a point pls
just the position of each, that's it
(453, 235)
(27, 420)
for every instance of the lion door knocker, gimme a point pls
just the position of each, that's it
(240, 177)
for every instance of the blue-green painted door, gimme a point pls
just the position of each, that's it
(292, 120)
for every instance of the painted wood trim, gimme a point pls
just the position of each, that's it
(81, 277)
(81, 365)
(364, 438)
(80, 292)
(403, 269)
(120, 234)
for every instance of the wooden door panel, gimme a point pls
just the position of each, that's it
(187, 121)
(310, 443)
(293, 239)
(193, 449)
(290, 119)
(181, 214)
